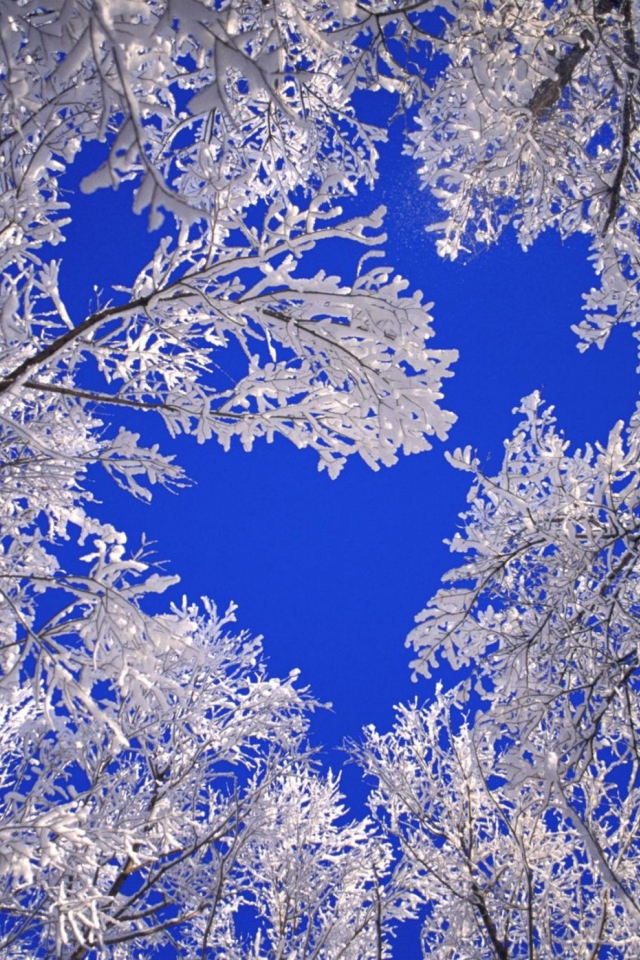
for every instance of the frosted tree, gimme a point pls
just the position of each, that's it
(234, 124)
(196, 800)
(510, 855)
(534, 123)
(545, 605)
(156, 786)
(515, 796)
(216, 113)
(321, 888)
(210, 112)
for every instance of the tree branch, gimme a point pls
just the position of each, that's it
(69, 336)
(498, 945)
(548, 92)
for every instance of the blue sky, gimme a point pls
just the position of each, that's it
(333, 572)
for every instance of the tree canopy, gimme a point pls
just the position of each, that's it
(158, 791)
(533, 123)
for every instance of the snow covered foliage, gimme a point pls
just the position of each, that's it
(158, 795)
(510, 854)
(156, 787)
(515, 795)
(545, 605)
(534, 123)
(197, 800)
(218, 113)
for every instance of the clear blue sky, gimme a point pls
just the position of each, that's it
(333, 572)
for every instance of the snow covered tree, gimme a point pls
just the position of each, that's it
(534, 123)
(509, 855)
(157, 789)
(234, 123)
(151, 834)
(520, 820)
(545, 606)
(217, 113)
(321, 888)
